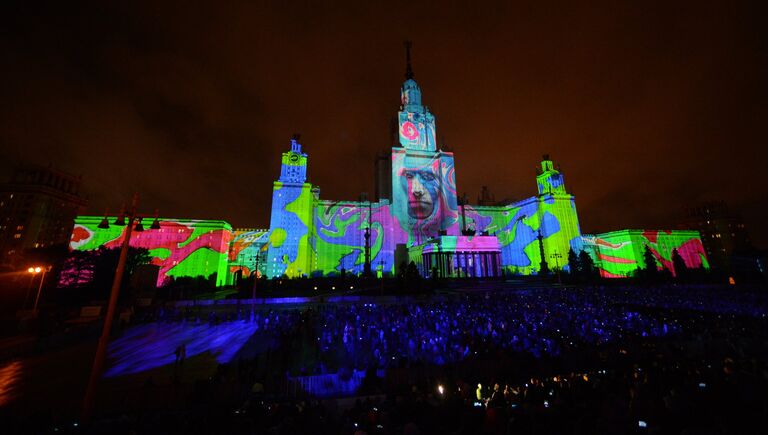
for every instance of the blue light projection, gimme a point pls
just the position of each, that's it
(149, 346)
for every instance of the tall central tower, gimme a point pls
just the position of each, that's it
(423, 177)
(416, 123)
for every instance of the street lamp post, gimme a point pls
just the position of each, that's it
(35, 271)
(367, 236)
(253, 290)
(439, 256)
(101, 348)
(543, 266)
(29, 287)
(557, 256)
(239, 279)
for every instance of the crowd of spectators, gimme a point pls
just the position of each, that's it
(542, 322)
(676, 359)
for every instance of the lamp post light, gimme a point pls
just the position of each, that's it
(34, 271)
(101, 348)
(557, 256)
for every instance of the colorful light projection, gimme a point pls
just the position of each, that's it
(339, 241)
(549, 180)
(289, 251)
(181, 247)
(517, 227)
(247, 248)
(313, 237)
(149, 346)
(619, 254)
(459, 256)
(417, 124)
(424, 195)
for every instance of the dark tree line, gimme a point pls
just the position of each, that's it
(581, 267)
(92, 272)
(656, 272)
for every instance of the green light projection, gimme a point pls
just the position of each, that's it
(619, 254)
(181, 247)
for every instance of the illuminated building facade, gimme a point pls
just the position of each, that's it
(416, 217)
(419, 218)
(181, 247)
(247, 253)
(619, 254)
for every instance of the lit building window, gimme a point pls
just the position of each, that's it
(17, 236)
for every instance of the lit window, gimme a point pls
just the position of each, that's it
(19, 227)
(17, 236)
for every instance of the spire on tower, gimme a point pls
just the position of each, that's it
(295, 145)
(408, 69)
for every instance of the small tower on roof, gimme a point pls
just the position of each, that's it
(294, 164)
(549, 180)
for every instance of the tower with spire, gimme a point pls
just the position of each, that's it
(423, 177)
(291, 223)
(416, 124)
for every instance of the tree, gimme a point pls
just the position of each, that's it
(573, 263)
(586, 265)
(412, 273)
(77, 269)
(401, 271)
(679, 266)
(411, 278)
(651, 270)
(96, 270)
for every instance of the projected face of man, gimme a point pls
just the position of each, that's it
(421, 184)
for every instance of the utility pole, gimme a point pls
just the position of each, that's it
(101, 348)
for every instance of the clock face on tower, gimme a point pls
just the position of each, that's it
(417, 131)
(294, 158)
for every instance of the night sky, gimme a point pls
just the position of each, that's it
(649, 107)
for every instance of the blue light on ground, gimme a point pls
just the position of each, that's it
(152, 345)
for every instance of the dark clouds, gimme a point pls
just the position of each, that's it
(647, 107)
